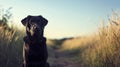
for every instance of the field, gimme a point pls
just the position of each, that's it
(98, 50)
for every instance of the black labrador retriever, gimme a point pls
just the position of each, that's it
(35, 50)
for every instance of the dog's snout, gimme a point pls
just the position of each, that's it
(35, 26)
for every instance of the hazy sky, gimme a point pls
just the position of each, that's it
(66, 18)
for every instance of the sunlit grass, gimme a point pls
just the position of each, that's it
(98, 50)
(106, 52)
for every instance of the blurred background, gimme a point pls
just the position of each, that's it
(80, 33)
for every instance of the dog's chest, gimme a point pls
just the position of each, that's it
(34, 47)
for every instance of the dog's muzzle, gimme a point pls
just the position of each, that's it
(35, 29)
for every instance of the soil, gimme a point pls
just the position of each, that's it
(61, 60)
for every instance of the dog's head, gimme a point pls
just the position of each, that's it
(34, 25)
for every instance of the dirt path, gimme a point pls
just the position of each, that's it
(61, 60)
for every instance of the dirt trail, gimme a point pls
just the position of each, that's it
(61, 60)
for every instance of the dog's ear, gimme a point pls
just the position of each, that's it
(25, 20)
(44, 21)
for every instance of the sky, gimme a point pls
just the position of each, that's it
(66, 18)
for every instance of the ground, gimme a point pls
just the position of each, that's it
(61, 59)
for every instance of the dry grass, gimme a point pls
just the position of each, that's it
(100, 50)
(106, 52)
(10, 48)
(78, 42)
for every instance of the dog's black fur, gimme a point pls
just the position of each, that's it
(35, 50)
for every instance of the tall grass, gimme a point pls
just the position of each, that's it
(10, 47)
(101, 49)
(106, 52)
